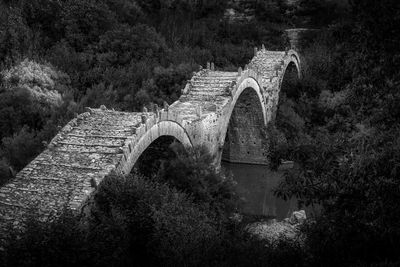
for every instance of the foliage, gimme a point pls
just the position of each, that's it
(38, 80)
(349, 165)
(85, 21)
(57, 243)
(21, 148)
(192, 171)
(35, 99)
(136, 220)
(5, 172)
(163, 225)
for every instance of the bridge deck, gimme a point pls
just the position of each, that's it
(66, 173)
(210, 90)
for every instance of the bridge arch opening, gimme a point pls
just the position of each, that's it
(288, 121)
(160, 150)
(244, 137)
(290, 80)
(169, 132)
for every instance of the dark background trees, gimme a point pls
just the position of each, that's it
(348, 153)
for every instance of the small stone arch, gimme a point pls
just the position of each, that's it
(162, 128)
(294, 58)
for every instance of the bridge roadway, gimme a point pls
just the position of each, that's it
(221, 110)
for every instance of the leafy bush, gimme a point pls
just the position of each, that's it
(192, 171)
(5, 172)
(127, 43)
(40, 81)
(35, 99)
(83, 22)
(21, 148)
(163, 225)
(57, 243)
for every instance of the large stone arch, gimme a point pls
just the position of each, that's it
(162, 128)
(250, 87)
(246, 83)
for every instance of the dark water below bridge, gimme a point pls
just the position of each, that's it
(254, 186)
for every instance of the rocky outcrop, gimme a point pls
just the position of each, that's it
(273, 230)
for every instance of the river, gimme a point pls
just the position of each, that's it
(254, 185)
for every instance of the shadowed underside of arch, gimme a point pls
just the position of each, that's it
(243, 139)
(246, 117)
(163, 128)
(216, 108)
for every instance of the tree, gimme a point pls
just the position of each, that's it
(193, 172)
(85, 21)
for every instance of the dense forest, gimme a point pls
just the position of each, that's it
(340, 125)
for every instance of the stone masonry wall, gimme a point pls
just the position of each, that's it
(243, 142)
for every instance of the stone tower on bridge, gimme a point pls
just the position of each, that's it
(225, 111)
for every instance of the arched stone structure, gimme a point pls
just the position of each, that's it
(102, 141)
(239, 128)
(162, 128)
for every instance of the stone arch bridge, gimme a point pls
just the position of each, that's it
(221, 110)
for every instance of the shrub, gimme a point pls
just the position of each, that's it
(83, 22)
(5, 171)
(21, 148)
(192, 171)
(162, 225)
(57, 243)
